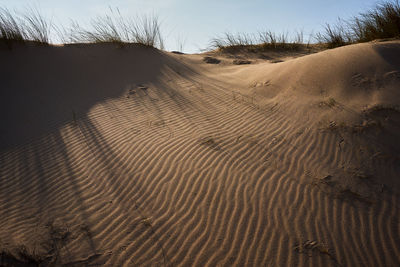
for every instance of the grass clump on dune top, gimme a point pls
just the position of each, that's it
(10, 28)
(334, 36)
(261, 42)
(31, 26)
(381, 22)
(115, 28)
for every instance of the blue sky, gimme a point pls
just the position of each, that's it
(194, 23)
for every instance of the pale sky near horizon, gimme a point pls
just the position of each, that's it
(194, 23)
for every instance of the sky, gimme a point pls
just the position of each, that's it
(192, 24)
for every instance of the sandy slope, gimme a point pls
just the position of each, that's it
(131, 156)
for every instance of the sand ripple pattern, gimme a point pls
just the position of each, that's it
(189, 175)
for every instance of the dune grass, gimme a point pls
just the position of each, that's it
(10, 27)
(36, 27)
(262, 41)
(232, 40)
(381, 22)
(334, 36)
(272, 40)
(32, 26)
(115, 28)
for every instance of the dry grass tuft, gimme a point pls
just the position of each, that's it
(263, 41)
(381, 22)
(114, 28)
(10, 27)
(31, 26)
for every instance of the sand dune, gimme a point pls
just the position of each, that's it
(135, 157)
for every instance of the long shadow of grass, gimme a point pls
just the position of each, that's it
(43, 86)
(69, 80)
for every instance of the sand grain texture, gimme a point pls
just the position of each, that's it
(135, 157)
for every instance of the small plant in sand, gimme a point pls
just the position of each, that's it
(310, 246)
(210, 141)
(147, 222)
(330, 103)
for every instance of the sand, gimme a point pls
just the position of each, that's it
(136, 157)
